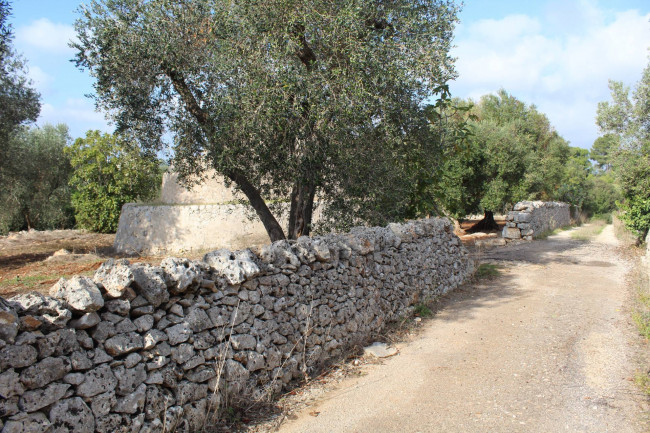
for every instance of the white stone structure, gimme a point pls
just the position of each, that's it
(212, 190)
(153, 229)
(207, 216)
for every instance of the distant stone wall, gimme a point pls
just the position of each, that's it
(532, 218)
(141, 348)
(152, 229)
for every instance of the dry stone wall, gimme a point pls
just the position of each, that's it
(532, 218)
(142, 348)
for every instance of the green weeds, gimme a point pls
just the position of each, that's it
(422, 310)
(488, 270)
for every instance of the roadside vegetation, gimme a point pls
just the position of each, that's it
(641, 317)
(487, 270)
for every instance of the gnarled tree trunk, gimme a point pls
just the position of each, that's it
(487, 224)
(301, 212)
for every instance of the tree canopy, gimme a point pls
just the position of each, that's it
(512, 154)
(35, 192)
(19, 102)
(625, 121)
(287, 99)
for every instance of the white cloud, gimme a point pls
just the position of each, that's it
(78, 113)
(40, 78)
(560, 65)
(46, 35)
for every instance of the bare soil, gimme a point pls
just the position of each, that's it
(27, 260)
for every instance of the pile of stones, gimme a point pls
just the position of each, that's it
(160, 348)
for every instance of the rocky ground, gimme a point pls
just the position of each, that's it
(545, 346)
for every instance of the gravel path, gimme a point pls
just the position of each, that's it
(545, 347)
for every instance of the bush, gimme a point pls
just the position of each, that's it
(109, 172)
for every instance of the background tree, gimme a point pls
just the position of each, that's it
(35, 192)
(626, 119)
(109, 172)
(287, 100)
(19, 102)
(512, 154)
(604, 150)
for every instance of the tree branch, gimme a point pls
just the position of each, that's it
(304, 53)
(273, 228)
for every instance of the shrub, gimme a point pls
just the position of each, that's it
(109, 172)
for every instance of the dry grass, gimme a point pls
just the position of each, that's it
(623, 234)
(589, 231)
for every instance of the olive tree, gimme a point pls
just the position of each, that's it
(512, 154)
(288, 100)
(35, 192)
(19, 102)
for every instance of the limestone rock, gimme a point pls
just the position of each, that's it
(150, 283)
(32, 401)
(235, 372)
(114, 276)
(44, 372)
(255, 361)
(9, 322)
(86, 321)
(281, 255)
(129, 378)
(98, 381)
(235, 267)
(178, 333)
(188, 391)
(198, 320)
(243, 342)
(380, 350)
(122, 344)
(10, 384)
(17, 356)
(153, 337)
(118, 306)
(180, 274)
(27, 423)
(144, 323)
(157, 401)
(133, 402)
(72, 416)
(511, 233)
(103, 331)
(103, 403)
(80, 293)
(51, 312)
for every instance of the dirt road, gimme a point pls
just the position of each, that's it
(544, 347)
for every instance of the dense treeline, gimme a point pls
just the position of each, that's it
(47, 182)
(624, 149)
(306, 114)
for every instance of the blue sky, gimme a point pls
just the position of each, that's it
(555, 54)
